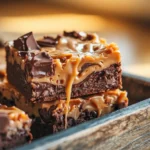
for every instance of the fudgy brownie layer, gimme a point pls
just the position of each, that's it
(107, 79)
(49, 123)
(52, 119)
(40, 129)
(49, 117)
(57, 123)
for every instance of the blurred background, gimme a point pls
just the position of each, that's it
(126, 23)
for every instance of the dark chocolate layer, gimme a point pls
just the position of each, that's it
(107, 79)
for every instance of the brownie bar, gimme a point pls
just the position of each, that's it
(73, 64)
(49, 117)
(14, 127)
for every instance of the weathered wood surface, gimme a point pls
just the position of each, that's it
(136, 129)
(125, 129)
(138, 88)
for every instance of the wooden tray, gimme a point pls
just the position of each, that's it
(125, 129)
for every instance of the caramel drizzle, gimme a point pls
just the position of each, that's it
(14, 113)
(71, 77)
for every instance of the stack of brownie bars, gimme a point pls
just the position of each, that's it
(63, 81)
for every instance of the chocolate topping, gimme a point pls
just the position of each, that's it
(48, 41)
(79, 35)
(40, 65)
(26, 43)
(75, 34)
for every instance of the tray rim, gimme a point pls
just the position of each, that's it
(72, 133)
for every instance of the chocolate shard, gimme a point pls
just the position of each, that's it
(48, 41)
(74, 34)
(40, 64)
(26, 43)
(79, 35)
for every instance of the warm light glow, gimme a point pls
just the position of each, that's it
(52, 23)
(138, 69)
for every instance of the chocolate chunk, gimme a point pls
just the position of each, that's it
(75, 34)
(26, 43)
(40, 64)
(48, 41)
(79, 35)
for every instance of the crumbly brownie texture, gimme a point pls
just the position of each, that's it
(56, 68)
(50, 117)
(14, 127)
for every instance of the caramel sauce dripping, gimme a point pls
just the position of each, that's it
(75, 62)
